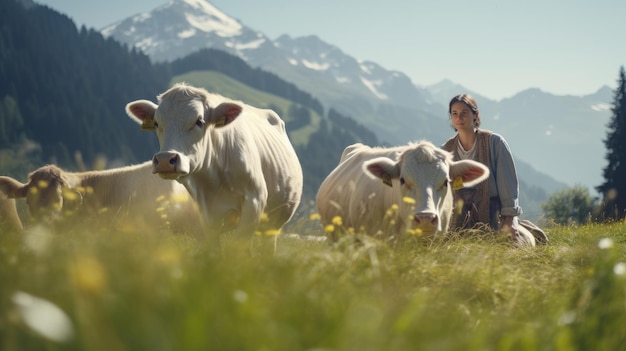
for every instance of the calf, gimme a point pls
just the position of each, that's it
(128, 192)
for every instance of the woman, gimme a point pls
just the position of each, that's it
(494, 202)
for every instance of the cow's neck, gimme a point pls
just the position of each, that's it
(216, 192)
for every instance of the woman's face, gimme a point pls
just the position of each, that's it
(462, 116)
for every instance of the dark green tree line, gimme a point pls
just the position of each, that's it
(66, 88)
(614, 187)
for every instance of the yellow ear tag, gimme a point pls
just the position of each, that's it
(386, 179)
(220, 122)
(457, 184)
(148, 123)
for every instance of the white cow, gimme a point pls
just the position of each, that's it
(131, 192)
(390, 191)
(236, 160)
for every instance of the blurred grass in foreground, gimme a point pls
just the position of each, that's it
(92, 287)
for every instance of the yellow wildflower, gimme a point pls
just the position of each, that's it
(337, 221)
(416, 232)
(264, 217)
(180, 198)
(272, 232)
(168, 255)
(458, 207)
(87, 275)
(70, 195)
(408, 200)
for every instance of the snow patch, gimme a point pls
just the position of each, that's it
(315, 66)
(365, 69)
(372, 86)
(601, 107)
(204, 6)
(222, 27)
(343, 80)
(106, 32)
(146, 43)
(293, 61)
(187, 33)
(246, 46)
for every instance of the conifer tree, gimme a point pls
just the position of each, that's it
(614, 187)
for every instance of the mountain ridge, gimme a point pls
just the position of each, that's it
(536, 124)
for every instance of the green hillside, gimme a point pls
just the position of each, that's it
(219, 83)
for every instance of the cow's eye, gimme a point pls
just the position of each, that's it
(200, 122)
(445, 184)
(404, 183)
(156, 125)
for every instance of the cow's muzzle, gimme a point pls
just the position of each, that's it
(169, 165)
(428, 222)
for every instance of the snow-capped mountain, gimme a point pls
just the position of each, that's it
(544, 130)
(181, 27)
(310, 55)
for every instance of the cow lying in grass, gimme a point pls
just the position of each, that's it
(396, 190)
(130, 194)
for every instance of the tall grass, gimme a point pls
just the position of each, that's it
(95, 286)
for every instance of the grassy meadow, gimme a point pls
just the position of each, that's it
(98, 285)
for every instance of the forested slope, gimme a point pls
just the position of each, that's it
(64, 90)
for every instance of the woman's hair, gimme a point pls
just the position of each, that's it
(470, 102)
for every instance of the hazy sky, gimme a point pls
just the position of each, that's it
(494, 47)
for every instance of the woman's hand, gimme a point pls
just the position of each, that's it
(518, 237)
(507, 227)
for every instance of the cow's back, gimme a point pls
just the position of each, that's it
(349, 192)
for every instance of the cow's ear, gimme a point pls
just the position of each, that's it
(142, 112)
(383, 168)
(225, 113)
(470, 172)
(12, 188)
